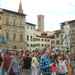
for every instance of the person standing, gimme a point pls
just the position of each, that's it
(6, 63)
(21, 55)
(34, 64)
(27, 65)
(0, 60)
(56, 59)
(54, 66)
(45, 62)
(40, 55)
(16, 65)
(63, 64)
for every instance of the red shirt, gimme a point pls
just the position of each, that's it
(7, 61)
(21, 55)
(24, 56)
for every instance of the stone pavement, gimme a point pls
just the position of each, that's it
(37, 74)
(1, 71)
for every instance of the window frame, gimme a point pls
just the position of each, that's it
(42, 45)
(7, 20)
(14, 36)
(73, 41)
(31, 38)
(21, 37)
(63, 26)
(73, 24)
(27, 37)
(14, 22)
(41, 39)
(27, 27)
(57, 42)
(31, 28)
(69, 24)
(57, 35)
(20, 23)
(7, 35)
(52, 41)
(27, 45)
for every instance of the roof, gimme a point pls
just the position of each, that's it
(42, 36)
(51, 36)
(14, 12)
(37, 30)
(43, 33)
(68, 21)
(30, 23)
(57, 31)
(40, 15)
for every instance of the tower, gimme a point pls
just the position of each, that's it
(41, 23)
(20, 8)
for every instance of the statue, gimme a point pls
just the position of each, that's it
(39, 48)
(66, 34)
(70, 47)
(3, 41)
(66, 37)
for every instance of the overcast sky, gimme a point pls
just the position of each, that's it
(55, 11)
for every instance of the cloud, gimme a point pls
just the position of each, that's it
(55, 11)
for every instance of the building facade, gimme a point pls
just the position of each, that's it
(58, 39)
(72, 32)
(30, 36)
(43, 41)
(13, 28)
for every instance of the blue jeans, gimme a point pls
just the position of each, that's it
(16, 73)
(4, 70)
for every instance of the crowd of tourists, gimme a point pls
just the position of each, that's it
(44, 62)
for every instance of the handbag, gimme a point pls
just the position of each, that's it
(11, 72)
(68, 73)
(53, 68)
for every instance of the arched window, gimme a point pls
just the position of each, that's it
(15, 47)
(14, 36)
(7, 36)
(21, 37)
(20, 23)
